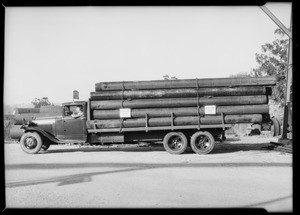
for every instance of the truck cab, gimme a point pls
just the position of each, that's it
(45, 131)
(70, 128)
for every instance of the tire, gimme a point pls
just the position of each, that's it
(202, 142)
(175, 142)
(275, 127)
(31, 142)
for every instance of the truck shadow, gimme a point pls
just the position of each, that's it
(106, 149)
(220, 148)
(229, 147)
(120, 167)
(268, 202)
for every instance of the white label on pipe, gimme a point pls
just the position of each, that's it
(210, 109)
(125, 112)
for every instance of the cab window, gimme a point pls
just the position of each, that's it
(69, 110)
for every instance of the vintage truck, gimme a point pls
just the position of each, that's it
(175, 126)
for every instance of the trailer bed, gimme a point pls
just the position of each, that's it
(162, 128)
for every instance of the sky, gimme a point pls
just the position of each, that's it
(51, 51)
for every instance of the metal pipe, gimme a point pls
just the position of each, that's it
(186, 83)
(179, 102)
(182, 111)
(181, 93)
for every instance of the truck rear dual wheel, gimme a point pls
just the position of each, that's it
(202, 142)
(31, 142)
(175, 142)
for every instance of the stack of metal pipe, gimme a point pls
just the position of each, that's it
(238, 100)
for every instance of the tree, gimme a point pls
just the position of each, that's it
(273, 62)
(41, 102)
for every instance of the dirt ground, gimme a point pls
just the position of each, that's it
(238, 173)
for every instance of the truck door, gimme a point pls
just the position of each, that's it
(73, 128)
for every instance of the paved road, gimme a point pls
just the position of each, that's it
(236, 174)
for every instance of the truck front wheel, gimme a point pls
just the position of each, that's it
(202, 142)
(31, 142)
(175, 142)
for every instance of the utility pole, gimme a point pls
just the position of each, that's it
(288, 102)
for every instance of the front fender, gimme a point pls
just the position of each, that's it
(45, 134)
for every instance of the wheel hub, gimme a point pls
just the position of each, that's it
(203, 143)
(176, 143)
(30, 142)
